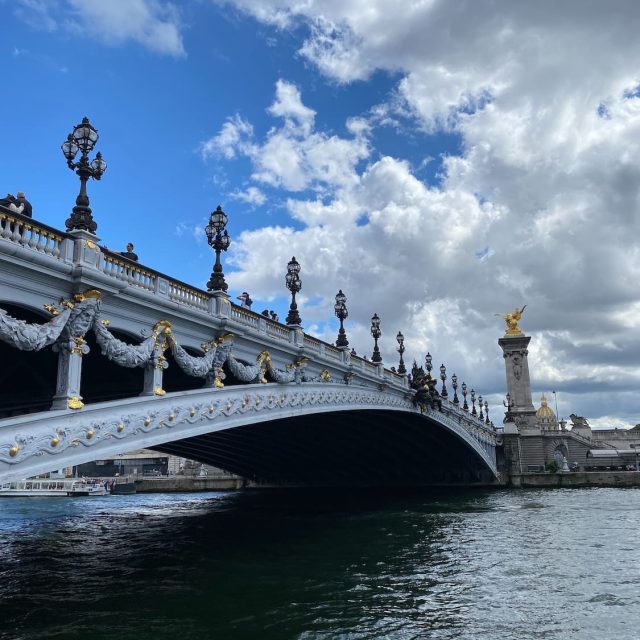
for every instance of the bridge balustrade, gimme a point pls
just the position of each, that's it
(245, 316)
(22, 231)
(189, 296)
(312, 344)
(132, 274)
(277, 331)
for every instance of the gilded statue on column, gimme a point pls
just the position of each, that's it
(512, 320)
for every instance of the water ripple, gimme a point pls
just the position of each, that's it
(316, 566)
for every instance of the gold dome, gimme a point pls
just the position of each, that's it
(545, 412)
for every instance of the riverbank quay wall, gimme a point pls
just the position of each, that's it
(180, 484)
(576, 479)
(278, 405)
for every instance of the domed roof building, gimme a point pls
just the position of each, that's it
(545, 417)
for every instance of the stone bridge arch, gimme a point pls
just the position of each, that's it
(316, 434)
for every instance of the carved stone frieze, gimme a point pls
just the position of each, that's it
(123, 354)
(249, 372)
(195, 366)
(30, 336)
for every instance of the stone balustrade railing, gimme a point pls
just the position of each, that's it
(128, 271)
(35, 236)
(277, 331)
(183, 294)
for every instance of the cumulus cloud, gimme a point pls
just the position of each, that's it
(251, 195)
(293, 156)
(541, 206)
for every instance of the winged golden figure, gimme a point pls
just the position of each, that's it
(512, 320)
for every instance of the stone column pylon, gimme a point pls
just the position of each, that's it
(69, 374)
(153, 371)
(514, 350)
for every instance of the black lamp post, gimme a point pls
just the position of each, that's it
(480, 414)
(400, 338)
(341, 312)
(465, 406)
(375, 333)
(509, 404)
(294, 284)
(486, 413)
(454, 384)
(427, 361)
(219, 240)
(473, 403)
(83, 138)
(443, 377)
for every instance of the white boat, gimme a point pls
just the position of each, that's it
(42, 487)
(87, 488)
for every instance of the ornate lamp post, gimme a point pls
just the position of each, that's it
(375, 333)
(454, 384)
(83, 138)
(341, 312)
(480, 414)
(509, 404)
(443, 377)
(473, 403)
(294, 284)
(400, 338)
(219, 240)
(486, 413)
(427, 361)
(465, 406)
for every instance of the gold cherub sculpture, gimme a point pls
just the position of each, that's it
(512, 321)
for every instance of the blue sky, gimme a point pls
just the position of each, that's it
(439, 164)
(153, 112)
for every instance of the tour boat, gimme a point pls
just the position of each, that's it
(42, 487)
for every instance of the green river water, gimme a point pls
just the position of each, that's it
(508, 565)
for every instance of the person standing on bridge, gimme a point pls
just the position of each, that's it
(129, 254)
(245, 300)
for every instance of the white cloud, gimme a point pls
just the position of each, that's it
(293, 156)
(234, 137)
(288, 105)
(251, 195)
(151, 23)
(37, 14)
(542, 205)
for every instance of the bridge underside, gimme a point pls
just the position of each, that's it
(350, 448)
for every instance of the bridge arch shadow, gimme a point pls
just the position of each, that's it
(342, 448)
(28, 378)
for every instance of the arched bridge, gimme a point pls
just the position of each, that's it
(102, 356)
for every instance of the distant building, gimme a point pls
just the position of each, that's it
(146, 462)
(545, 417)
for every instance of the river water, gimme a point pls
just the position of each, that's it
(304, 565)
